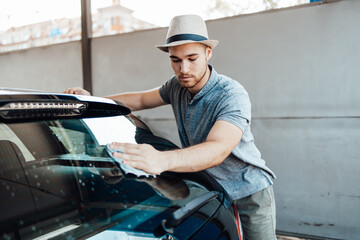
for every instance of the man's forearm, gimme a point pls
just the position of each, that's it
(140, 100)
(192, 159)
(196, 158)
(220, 142)
(131, 100)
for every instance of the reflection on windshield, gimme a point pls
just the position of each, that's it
(81, 138)
(111, 129)
(73, 182)
(6, 134)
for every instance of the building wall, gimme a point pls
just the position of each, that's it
(300, 67)
(51, 68)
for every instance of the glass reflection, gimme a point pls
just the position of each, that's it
(71, 181)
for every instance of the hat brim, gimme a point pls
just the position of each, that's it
(211, 43)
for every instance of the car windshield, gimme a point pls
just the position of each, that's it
(61, 182)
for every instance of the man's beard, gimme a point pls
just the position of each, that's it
(197, 80)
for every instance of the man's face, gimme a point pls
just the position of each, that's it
(190, 65)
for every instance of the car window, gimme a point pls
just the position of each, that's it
(6, 134)
(65, 182)
(75, 139)
(47, 139)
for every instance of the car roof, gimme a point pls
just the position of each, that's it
(31, 92)
(34, 103)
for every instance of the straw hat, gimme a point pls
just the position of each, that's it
(187, 29)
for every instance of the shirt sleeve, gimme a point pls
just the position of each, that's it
(165, 90)
(236, 109)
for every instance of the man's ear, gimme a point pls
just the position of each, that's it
(208, 53)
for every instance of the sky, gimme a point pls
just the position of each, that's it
(158, 12)
(23, 12)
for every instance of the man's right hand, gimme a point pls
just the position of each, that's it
(77, 91)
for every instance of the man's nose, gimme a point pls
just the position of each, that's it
(184, 68)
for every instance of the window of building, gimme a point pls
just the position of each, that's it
(26, 24)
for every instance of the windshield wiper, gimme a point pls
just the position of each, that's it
(184, 212)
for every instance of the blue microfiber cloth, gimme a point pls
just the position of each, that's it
(127, 169)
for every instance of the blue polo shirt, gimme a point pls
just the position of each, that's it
(243, 172)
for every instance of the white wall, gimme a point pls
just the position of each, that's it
(300, 67)
(51, 68)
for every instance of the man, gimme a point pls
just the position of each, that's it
(213, 115)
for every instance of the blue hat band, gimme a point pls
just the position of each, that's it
(183, 37)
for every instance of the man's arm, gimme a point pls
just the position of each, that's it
(220, 142)
(133, 100)
(140, 100)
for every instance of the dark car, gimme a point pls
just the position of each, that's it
(57, 181)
